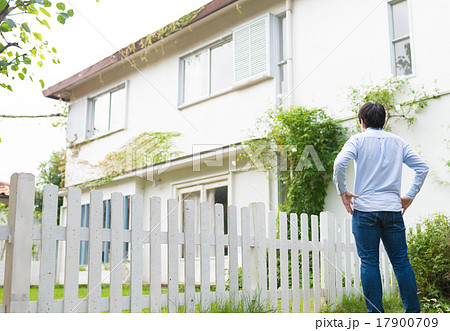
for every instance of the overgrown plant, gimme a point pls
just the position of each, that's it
(50, 172)
(300, 144)
(146, 149)
(399, 98)
(429, 253)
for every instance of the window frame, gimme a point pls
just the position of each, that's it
(268, 74)
(216, 43)
(393, 41)
(90, 116)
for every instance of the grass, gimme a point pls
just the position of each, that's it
(356, 304)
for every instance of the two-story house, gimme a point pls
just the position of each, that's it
(210, 75)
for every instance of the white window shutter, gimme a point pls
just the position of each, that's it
(251, 49)
(76, 121)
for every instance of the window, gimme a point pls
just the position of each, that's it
(213, 193)
(241, 56)
(84, 245)
(107, 112)
(281, 59)
(207, 71)
(400, 38)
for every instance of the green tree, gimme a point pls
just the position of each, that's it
(50, 172)
(21, 44)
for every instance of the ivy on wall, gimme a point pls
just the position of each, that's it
(146, 149)
(305, 142)
(390, 94)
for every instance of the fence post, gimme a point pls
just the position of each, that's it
(18, 249)
(258, 253)
(328, 256)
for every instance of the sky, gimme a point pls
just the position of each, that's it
(97, 30)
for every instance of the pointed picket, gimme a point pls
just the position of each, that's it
(294, 263)
(48, 249)
(155, 255)
(315, 257)
(116, 253)
(305, 263)
(95, 252)
(136, 254)
(72, 252)
(284, 265)
(172, 286)
(233, 254)
(246, 264)
(205, 277)
(348, 257)
(339, 231)
(272, 244)
(189, 256)
(220, 263)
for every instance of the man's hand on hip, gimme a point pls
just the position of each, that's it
(406, 202)
(347, 200)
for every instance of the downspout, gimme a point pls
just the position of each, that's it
(289, 51)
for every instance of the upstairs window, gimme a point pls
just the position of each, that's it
(107, 112)
(207, 71)
(401, 57)
(239, 57)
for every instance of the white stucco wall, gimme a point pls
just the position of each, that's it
(337, 44)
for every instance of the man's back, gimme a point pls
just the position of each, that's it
(379, 156)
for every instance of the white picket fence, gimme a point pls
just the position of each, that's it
(335, 264)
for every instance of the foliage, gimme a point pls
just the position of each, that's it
(297, 136)
(50, 172)
(21, 44)
(161, 33)
(146, 149)
(3, 213)
(388, 93)
(429, 253)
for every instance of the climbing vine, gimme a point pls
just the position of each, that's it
(390, 94)
(305, 142)
(146, 149)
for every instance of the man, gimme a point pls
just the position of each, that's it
(377, 205)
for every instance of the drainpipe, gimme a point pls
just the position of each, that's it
(289, 51)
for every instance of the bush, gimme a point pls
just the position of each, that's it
(429, 253)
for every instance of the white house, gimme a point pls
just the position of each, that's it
(220, 68)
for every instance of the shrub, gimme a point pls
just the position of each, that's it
(429, 253)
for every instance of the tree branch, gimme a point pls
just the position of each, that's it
(32, 116)
(9, 45)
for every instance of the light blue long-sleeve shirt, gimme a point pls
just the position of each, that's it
(378, 157)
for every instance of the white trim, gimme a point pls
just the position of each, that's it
(392, 41)
(90, 120)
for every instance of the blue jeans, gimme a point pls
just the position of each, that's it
(368, 228)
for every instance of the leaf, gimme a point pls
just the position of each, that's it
(3, 63)
(10, 23)
(21, 76)
(70, 12)
(63, 14)
(42, 56)
(61, 6)
(47, 3)
(27, 60)
(53, 49)
(40, 64)
(37, 35)
(44, 22)
(26, 27)
(45, 12)
(61, 19)
(3, 4)
(42, 83)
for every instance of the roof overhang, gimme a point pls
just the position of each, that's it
(61, 91)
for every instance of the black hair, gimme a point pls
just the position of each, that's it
(373, 115)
